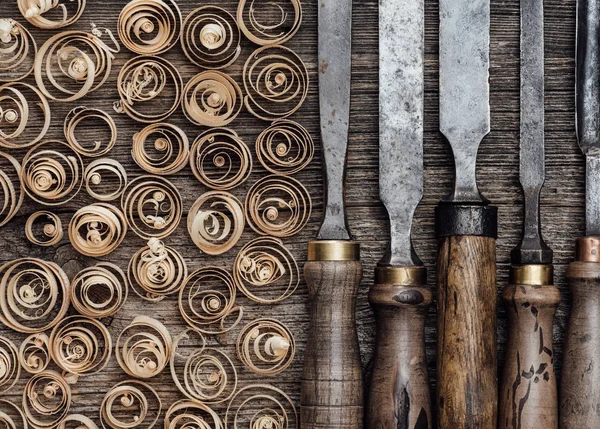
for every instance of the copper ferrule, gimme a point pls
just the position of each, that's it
(587, 249)
(333, 250)
(402, 276)
(532, 275)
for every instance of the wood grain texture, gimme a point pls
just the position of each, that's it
(528, 391)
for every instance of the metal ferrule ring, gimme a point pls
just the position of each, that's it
(401, 276)
(532, 275)
(333, 250)
(453, 220)
(587, 249)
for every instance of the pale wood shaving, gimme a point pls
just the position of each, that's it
(97, 230)
(10, 368)
(51, 231)
(161, 149)
(11, 188)
(34, 353)
(46, 399)
(11, 416)
(97, 147)
(139, 399)
(192, 415)
(269, 33)
(39, 12)
(99, 291)
(261, 406)
(77, 421)
(103, 173)
(286, 147)
(17, 51)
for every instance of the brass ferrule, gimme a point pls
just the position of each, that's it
(402, 276)
(333, 250)
(587, 249)
(532, 275)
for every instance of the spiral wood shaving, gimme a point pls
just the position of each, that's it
(266, 347)
(97, 230)
(99, 291)
(158, 270)
(212, 99)
(34, 11)
(286, 147)
(205, 374)
(220, 159)
(34, 295)
(192, 415)
(77, 421)
(46, 399)
(51, 231)
(80, 345)
(269, 33)
(153, 206)
(130, 404)
(278, 205)
(17, 51)
(10, 368)
(266, 271)
(21, 116)
(276, 82)
(207, 301)
(84, 62)
(146, 82)
(11, 416)
(105, 179)
(144, 347)
(260, 406)
(34, 353)
(211, 38)
(52, 173)
(216, 222)
(161, 149)
(11, 188)
(81, 114)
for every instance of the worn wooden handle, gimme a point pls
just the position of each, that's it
(332, 383)
(528, 395)
(467, 382)
(399, 396)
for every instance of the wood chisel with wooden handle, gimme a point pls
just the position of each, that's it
(399, 396)
(332, 384)
(466, 227)
(580, 384)
(528, 393)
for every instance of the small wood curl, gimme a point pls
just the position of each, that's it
(34, 11)
(51, 232)
(137, 397)
(161, 149)
(286, 147)
(46, 399)
(261, 406)
(11, 188)
(80, 114)
(99, 291)
(268, 33)
(10, 368)
(11, 416)
(34, 353)
(185, 414)
(101, 176)
(97, 230)
(17, 51)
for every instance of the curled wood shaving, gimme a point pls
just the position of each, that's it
(153, 206)
(98, 229)
(80, 345)
(11, 188)
(220, 159)
(34, 353)
(286, 147)
(161, 149)
(11, 416)
(10, 368)
(212, 99)
(216, 222)
(49, 233)
(51, 14)
(84, 62)
(276, 82)
(105, 179)
(145, 83)
(211, 38)
(33, 295)
(130, 404)
(46, 399)
(205, 374)
(192, 415)
(266, 271)
(83, 114)
(278, 205)
(158, 270)
(207, 298)
(144, 347)
(23, 111)
(266, 347)
(99, 291)
(17, 51)
(269, 33)
(77, 421)
(261, 406)
(52, 173)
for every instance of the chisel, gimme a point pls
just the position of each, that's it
(332, 387)
(399, 396)
(466, 227)
(528, 394)
(580, 386)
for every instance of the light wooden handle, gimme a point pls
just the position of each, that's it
(528, 393)
(332, 382)
(467, 391)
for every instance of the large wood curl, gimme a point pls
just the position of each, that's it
(77, 421)
(97, 230)
(286, 147)
(11, 188)
(161, 148)
(11, 416)
(261, 406)
(46, 399)
(99, 291)
(269, 33)
(51, 14)
(34, 353)
(10, 366)
(51, 231)
(138, 398)
(81, 114)
(17, 51)
(186, 414)
(101, 176)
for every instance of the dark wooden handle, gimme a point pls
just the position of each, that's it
(528, 395)
(580, 383)
(332, 382)
(399, 396)
(467, 392)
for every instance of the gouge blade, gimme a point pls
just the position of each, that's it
(401, 93)
(464, 88)
(335, 22)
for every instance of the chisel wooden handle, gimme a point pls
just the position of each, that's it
(528, 393)
(332, 382)
(399, 396)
